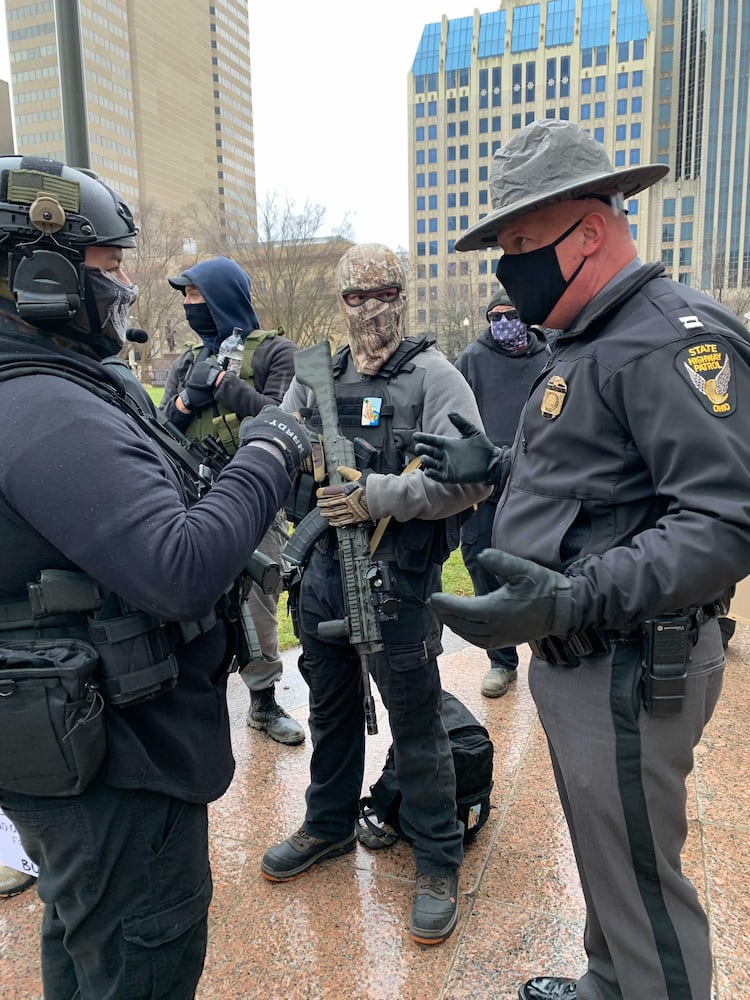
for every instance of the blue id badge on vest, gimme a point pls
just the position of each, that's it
(371, 406)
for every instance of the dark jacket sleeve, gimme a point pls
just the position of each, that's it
(273, 365)
(699, 464)
(101, 492)
(172, 388)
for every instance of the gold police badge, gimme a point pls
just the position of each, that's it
(707, 366)
(554, 397)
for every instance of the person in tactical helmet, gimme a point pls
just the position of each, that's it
(205, 396)
(116, 605)
(386, 386)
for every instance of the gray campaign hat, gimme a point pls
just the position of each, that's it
(548, 162)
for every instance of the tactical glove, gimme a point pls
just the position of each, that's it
(532, 602)
(281, 429)
(199, 389)
(472, 458)
(346, 503)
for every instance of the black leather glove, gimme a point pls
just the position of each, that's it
(281, 429)
(472, 458)
(199, 388)
(532, 602)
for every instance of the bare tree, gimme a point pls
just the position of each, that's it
(159, 254)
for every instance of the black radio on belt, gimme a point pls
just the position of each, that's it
(667, 642)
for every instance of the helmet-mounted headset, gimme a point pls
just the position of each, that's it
(49, 214)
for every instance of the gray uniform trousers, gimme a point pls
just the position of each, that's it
(621, 776)
(265, 671)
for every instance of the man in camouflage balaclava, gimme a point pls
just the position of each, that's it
(371, 286)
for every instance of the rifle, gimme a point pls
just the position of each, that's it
(365, 582)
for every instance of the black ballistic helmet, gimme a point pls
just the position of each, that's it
(49, 214)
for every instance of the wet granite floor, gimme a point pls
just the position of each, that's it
(339, 933)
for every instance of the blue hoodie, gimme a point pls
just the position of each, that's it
(226, 289)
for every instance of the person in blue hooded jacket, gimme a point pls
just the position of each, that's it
(204, 398)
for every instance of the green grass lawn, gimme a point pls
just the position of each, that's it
(456, 578)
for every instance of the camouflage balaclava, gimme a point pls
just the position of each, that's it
(375, 324)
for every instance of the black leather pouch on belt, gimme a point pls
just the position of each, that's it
(52, 737)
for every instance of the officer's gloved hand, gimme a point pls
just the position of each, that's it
(472, 458)
(345, 503)
(278, 428)
(532, 602)
(199, 388)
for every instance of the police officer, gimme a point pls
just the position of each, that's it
(622, 524)
(386, 386)
(90, 498)
(500, 366)
(204, 398)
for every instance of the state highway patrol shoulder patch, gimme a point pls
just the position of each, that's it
(707, 367)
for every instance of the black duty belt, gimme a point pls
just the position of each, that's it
(598, 642)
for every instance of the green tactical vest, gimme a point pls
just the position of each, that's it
(217, 421)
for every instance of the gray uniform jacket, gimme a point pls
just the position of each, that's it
(432, 391)
(631, 465)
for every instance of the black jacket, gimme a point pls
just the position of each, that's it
(82, 486)
(631, 469)
(501, 381)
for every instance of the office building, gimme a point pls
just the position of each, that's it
(168, 96)
(654, 82)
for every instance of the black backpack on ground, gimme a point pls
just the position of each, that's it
(473, 752)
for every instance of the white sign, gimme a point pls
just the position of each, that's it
(12, 853)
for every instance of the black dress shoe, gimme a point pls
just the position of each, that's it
(548, 988)
(298, 853)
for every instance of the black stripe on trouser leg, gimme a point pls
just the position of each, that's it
(637, 823)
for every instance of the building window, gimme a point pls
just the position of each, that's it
(432, 133)
(639, 48)
(551, 79)
(635, 130)
(419, 111)
(619, 157)
(620, 133)
(586, 85)
(585, 112)
(633, 206)
(688, 205)
(622, 81)
(420, 180)
(496, 86)
(451, 223)
(599, 135)
(638, 78)
(634, 231)
(496, 123)
(463, 199)
(463, 175)
(450, 131)
(463, 152)
(599, 109)
(636, 105)
(463, 127)
(667, 232)
(463, 104)
(587, 58)
(433, 225)
(686, 256)
(484, 125)
(419, 133)
(686, 232)
(450, 177)
(432, 179)
(420, 249)
(450, 153)
(420, 226)
(420, 157)
(420, 203)
(668, 209)
(432, 155)
(483, 267)
(483, 196)
(635, 157)
(564, 114)
(433, 248)
(565, 76)
(516, 83)
(684, 279)
(450, 106)
(431, 109)
(483, 171)
(623, 52)
(667, 258)
(515, 121)
(432, 203)
(601, 84)
(464, 222)
(450, 200)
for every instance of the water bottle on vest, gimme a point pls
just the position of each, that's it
(231, 350)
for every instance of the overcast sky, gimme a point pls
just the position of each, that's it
(343, 66)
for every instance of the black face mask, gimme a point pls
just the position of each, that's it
(200, 319)
(534, 281)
